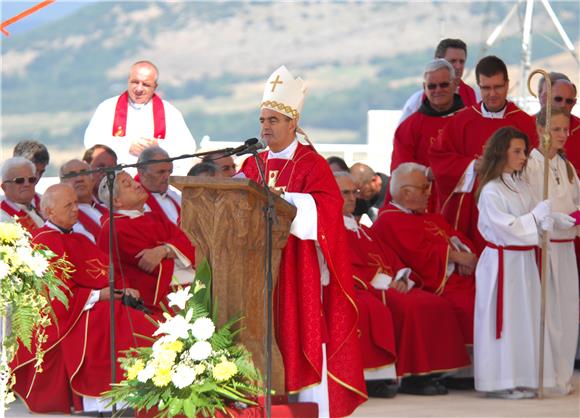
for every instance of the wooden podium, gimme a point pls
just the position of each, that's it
(224, 218)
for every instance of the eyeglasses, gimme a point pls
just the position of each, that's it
(487, 89)
(559, 99)
(354, 192)
(424, 188)
(433, 86)
(22, 180)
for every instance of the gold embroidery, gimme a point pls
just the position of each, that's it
(97, 269)
(281, 107)
(276, 82)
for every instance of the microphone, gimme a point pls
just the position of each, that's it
(249, 147)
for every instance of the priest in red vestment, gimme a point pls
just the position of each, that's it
(441, 256)
(154, 178)
(316, 318)
(150, 250)
(427, 333)
(90, 212)
(454, 156)
(20, 203)
(413, 137)
(77, 361)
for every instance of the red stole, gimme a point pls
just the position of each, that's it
(156, 207)
(467, 94)
(89, 224)
(299, 313)
(120, 120)
(22, 216)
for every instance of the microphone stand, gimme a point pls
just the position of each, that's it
(270, 218)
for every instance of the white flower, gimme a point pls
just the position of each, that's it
(176, 327)
(4, 270)
(147, 373)
(179, 298)
(200, 350)
(165, 339)
(182, 376)
(38, 264)
(203, 328)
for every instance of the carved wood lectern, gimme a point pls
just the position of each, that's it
(224, 218)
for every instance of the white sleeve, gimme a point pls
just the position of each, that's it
(93, 298)
(181, 260)
(411, 105)
(468, 179)
(305, 224)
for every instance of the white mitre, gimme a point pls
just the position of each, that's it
(284, 94)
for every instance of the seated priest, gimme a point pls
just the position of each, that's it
(20, 202)
(77, 361)
(90, 211)
(428, 336)
(149, 249)
(155, 180)
(441, 256)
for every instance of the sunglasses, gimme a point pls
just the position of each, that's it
(559, 99)
(22, 180)
(433, 86)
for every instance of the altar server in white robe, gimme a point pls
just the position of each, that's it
(562, 284)
(139, 118)
(507, 307)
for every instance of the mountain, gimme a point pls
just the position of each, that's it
(215, 56)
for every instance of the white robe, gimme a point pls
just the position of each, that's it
(512, 360)
(178, 140)
(562, 284)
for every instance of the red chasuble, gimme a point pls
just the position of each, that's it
(77, 359)
(302, 321)
(460, 142)
(136, 234)
(422, 243)
(22, 217)
(468, 96)
(89, 224)
(158, 210)
(572, 146)
(427, 333)
(120, 120)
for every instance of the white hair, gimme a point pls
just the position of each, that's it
(401, 171)
(104, 195)
(438, 64)
(15, 162)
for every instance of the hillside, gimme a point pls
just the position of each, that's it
(214, 56)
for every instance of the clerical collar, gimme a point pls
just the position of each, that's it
(428, 110)
(404, 209)
(351, 224)
(58, 228)
(493, 115)
(287, 153)
(134, 213)
(137, 106)
(163, 195)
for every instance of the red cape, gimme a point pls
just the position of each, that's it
(428, 335)
(303, 323)
(134, 235)
(422, 243)
(77, 359)
(460, 142)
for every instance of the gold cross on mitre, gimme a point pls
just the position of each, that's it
(275, 82)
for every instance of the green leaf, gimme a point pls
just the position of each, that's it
(189, 408)
(175, 406)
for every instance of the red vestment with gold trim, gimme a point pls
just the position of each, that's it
(422, 243)
(427, 333)
(136, 234)
(460, 142)
(77, 359)
(305, 318)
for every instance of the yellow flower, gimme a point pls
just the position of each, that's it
(199, 369)
(165, 358)
(134, 370)
(176, 346)
(10, 232)
(162, 377)
(224, 370)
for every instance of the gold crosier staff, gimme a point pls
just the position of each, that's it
(545, 141)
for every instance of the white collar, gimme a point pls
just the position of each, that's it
(493, 115)
(404, 209)
(133, 213)
(20, 206)
(287, 153)
(351, 224)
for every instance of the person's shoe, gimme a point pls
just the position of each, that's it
(527, 393)
(459, 383)
(441, 388)
(510, 394)
(382, 388)
(419, 385)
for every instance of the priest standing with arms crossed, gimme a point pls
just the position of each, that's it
(315, 315)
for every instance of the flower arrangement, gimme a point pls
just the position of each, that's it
(28, 282)
(192, 368)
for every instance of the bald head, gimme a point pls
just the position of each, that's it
(59, 205)
(366, 180)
